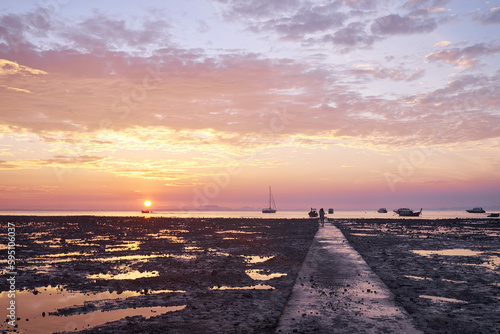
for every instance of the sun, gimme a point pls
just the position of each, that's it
(147, 203)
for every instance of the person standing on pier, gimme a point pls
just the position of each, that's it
(322, 216)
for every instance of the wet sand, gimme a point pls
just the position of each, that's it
(223, 275)
(445, 273)
(216, 275)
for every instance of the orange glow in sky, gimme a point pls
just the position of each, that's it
(103, 105)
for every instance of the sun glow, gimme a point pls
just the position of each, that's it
(147, 203)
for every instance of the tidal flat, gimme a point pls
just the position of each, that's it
(444, 272)
(89, 274)
(154, 275)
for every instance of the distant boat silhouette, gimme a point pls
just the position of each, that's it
(272, 205)
(405, 212)
(313, 213)
(145, 211)
(476, 210)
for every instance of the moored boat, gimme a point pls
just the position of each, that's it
(382, 210)
(272, 205)
(405, 212)
(494, 215)
(313, 213)
(476, 210)
(400, 210)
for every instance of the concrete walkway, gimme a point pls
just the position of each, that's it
(336, 292)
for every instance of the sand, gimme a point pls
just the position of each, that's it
(445, 273)
(236, 275)
(226, 275)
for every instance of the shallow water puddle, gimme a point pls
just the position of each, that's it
(257, 275)
(126, 246)
(443, 299)
(173, 239)
(418, 278)
(453, 281)
(50, 299)
(251, 287)
(142, 257)
(51, 324)
(236, 232)
(257, 259)
(63, 255)
(448, 252)
(135, 274)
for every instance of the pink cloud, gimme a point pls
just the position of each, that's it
(466, 57)
(234, 91)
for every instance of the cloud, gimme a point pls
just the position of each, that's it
(465, 57)
(430, 5)
(234, 9)
(303, 22)
(492, 17)
(384, 73)
(394, 24)
(442, 43)
(57, 161)
(175, 99)
(103, 33)
(353, 35)
(12, 68)
(344, 24)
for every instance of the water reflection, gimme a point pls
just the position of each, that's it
(258, 275)
(257, 259)
(448, 252)
(418, 278)
(127, 246)
(33, 310)
(135, 274)
(251, 287)
(63, 254)
(442, 299)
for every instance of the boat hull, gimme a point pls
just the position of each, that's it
(313, 213)
(409, 214)
(405, 212)
(268, 211)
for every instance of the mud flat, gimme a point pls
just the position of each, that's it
(445, 273)
(153, 275)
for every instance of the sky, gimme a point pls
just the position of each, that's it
(348, 104)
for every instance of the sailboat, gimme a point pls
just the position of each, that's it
(272, 205)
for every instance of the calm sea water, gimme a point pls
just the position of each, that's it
(426, 214)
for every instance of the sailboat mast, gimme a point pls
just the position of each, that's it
(270, 197)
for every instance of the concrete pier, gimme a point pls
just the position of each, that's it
(337, 292)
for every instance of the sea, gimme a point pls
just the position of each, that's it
(426, 214)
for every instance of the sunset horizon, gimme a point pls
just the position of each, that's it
(351, 105)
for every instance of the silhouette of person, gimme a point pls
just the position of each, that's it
(322, 216)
